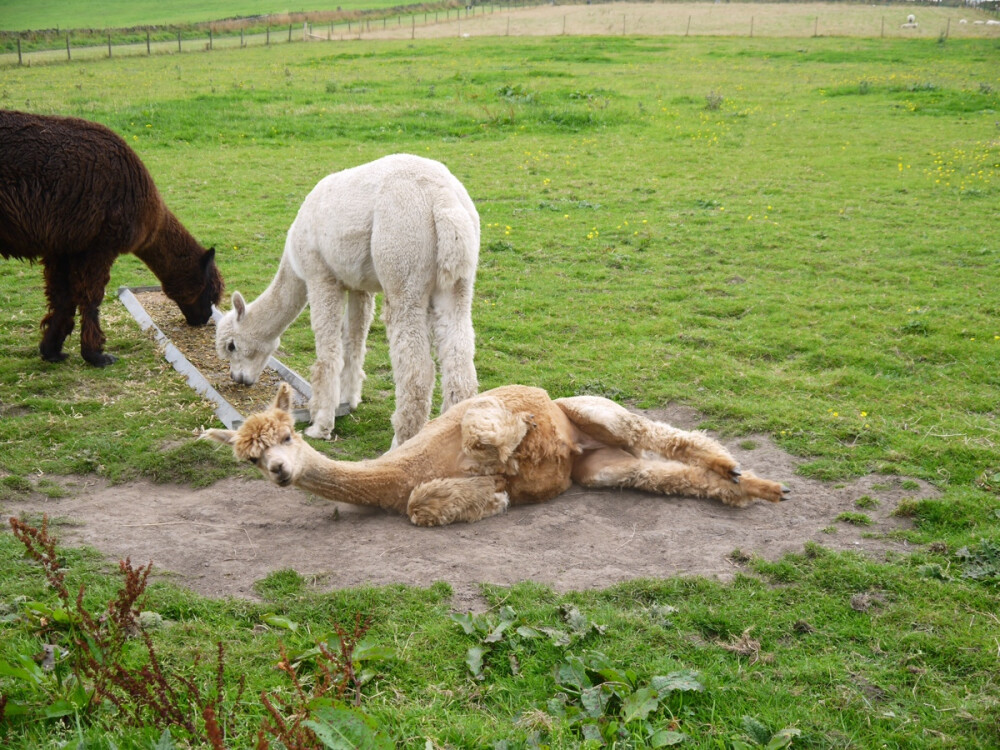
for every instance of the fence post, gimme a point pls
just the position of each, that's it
(883, 27)
(148, 53)
(564, 25)
(178, 40)
(19, 61)
(947, 28)
(267, 36)
(623, 24)
(109, 44)
(413, 27)
(68, 57)
(289, 32)
(210, 38)
(688, 30)
(816, 27)
(751, 27)
(241, 37)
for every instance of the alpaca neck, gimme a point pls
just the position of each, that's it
(171, 254)
(280, 304)
(373, 483)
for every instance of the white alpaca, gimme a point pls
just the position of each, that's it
(402, 225)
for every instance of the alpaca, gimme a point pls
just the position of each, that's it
(509, 446)
(73, 194)
(402, 225)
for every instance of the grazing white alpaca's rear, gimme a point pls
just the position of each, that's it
(402, 225)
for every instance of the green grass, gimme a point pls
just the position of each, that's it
(52, 14)
(813, 260)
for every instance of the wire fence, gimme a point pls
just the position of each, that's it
(522, 18)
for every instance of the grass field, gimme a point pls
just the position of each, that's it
(794, 236)
(57, 14)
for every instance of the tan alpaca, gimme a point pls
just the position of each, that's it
(509, 446)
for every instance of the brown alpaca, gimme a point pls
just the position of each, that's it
(73, 194)
(509, 446)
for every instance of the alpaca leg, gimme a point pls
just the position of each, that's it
(455, 343)
(88, 284)
(614, 425)
(490, 435)
(58, 322)
(360, 310)
(326, 312)
(412, 367)
(613, 467)
(443, 501)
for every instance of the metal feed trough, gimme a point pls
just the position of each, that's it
(225, 411)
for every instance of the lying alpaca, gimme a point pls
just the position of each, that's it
(509, 446)
(402, 225)
(76, 196)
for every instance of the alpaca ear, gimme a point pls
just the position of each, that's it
(228, 437)
(283, 398)
(208, 259)
(239, 305)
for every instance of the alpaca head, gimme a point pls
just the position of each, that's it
(268, 440)
(196, 288)
(237, 342)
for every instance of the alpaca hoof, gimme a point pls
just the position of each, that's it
(785, 492)
(100, 359)
(54, 356)
(317, 432)
(735, 475)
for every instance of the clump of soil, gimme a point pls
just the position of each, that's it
(197, 343)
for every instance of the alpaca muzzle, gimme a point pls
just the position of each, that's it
(280, 474)
(242, 378)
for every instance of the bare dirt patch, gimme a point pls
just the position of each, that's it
(221, 539)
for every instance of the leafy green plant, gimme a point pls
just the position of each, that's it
(508, 628)
(607, 704)
(756, 734)
(981, 561)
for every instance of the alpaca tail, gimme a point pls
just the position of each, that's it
(457, 240)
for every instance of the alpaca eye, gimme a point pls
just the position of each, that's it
(232, 346)
(288, 439)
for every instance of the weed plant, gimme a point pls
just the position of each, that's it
(814, 259)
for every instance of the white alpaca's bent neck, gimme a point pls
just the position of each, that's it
(278, 305)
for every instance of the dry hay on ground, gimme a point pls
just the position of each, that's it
(197, 343)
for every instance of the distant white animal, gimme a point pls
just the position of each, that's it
(402, 225)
